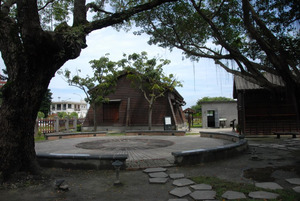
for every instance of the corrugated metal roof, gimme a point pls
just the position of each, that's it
(242, 84)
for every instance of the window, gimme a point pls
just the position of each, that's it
(64, 106)
(69, 106)
(58, 106)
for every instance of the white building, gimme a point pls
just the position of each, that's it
(80, 108)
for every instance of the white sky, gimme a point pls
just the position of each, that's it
(208, 80)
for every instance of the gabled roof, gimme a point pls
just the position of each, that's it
(240, 83)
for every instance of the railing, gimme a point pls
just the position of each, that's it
(57, 125)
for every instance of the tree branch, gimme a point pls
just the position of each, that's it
(97, 8)
(119, 17)
(5, 7)
(48, 2)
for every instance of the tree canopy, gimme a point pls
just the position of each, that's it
(147, 75)
(246, 38)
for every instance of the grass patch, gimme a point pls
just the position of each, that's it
(192, 134)
(221, 186)
(39, 138)
(196, 126)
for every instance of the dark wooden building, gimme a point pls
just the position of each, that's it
(262, 111)
(127, 109)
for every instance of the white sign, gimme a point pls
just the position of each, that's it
(168, 121)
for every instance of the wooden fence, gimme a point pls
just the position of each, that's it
(57, 125)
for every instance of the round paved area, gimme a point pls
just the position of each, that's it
(143, 151)
(125, 144)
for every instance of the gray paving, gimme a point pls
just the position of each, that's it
(183, 182)
(158, 180)
(177, 200)
(152, 170)
(201, 187)
(203, 195)
(180, 191)
(141, 155)
(268, 185)
(263, 195)
(176, 176)
(233, 195)
(297, 189)
(158, 175)
(295, 181)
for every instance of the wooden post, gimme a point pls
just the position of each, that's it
(67, 123)
(127, 112)
(56, 124)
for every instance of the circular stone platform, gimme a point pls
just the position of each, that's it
(143, 151)
(125, 144)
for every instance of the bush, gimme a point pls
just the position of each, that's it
(78, 127)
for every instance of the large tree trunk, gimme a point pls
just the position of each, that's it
(21, 101)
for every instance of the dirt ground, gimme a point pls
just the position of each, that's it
(257, 164)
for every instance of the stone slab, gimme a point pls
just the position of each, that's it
(233, 195)
(203, 195)
(158, 175)
(297, 189)
(180, 191)
(151, 170)
(177, 200)
(295, 181)
(183, 182)
(176, 176)
(263, 195)
(268, 185)
(201, 187)
(158, 180)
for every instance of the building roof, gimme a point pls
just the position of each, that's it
(242, 84)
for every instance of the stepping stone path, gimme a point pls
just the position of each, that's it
(201, 187)
(186, 187)
(233, 195)
(158, 175)
(263, 195)
(183, 182)
(203, 195)
(295, 181)
(269, 185)
(180, 191)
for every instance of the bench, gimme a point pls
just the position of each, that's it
(286, 133)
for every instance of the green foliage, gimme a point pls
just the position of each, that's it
(46, 103)
(41, 115)
(78, 128)
(212, 99)
(54, 12)
(147, 75)
(97, 87)
(246, 38)
(73, 114)
(62, 115)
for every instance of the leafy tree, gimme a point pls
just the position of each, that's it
(147, 75)
(73, 114)
(41, 115)
(246, 38)
(97, 87)
(63, 115)
(46, 103)
(35, 41)
(198, 106)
